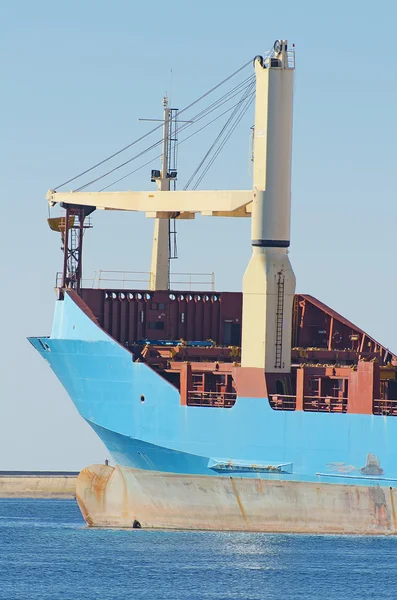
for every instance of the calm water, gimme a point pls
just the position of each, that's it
(46, 552)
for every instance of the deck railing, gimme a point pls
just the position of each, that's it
(332, 404)
(387, 408)
(282, 402)
(213, 399)
(129, 279)
(125, 280)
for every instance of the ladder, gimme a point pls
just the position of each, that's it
(172, 173)
(295, 316)
(279, 321)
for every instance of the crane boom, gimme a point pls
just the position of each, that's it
(161, 204)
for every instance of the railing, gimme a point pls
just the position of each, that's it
(85, 283)
(291, 59)
(115, 280)
(207, 279)
(282, 402)
(121, 279)
(387, 408)
(331, 404)
(214, 399)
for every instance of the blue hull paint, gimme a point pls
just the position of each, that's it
(159, 434)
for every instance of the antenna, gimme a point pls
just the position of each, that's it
(166, 181)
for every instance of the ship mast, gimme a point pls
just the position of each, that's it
(164, 241)
(160, 263)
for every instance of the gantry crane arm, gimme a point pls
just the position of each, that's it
(163, 204)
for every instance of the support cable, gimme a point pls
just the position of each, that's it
(195, 119)
(152, 130)
(219, 150)
(247, 93)
(178, 144)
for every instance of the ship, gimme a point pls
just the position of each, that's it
(262, 410)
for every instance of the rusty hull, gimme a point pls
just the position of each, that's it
(127, 498)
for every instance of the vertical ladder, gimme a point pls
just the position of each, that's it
(73, 245)
(172, 173)
(295, 316)
(73, 249)
(74, 252)
(172, 241)
(279, 321)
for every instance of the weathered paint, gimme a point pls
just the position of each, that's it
(116, 497)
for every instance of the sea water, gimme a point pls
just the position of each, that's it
(47, 552)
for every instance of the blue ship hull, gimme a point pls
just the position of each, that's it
(139, 417)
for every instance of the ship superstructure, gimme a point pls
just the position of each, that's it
(261, 410)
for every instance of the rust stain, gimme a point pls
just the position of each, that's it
(368, 510)
(126, 505)
(240, 504)
(84, 511)
(91, 487)
(98, 486)
(393, 509)
(378, 498)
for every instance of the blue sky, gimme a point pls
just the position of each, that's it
(76, 76)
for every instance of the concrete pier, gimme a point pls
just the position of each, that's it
(38, 484)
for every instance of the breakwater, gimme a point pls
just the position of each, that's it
(38, 484)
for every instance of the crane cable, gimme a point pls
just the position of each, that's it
(152, 130)
(247, 94)
(178, 144)
(207, 168)
(214, 106)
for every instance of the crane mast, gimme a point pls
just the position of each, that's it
(269, 281)
(164, 234)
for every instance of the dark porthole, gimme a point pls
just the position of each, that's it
(142, 398)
